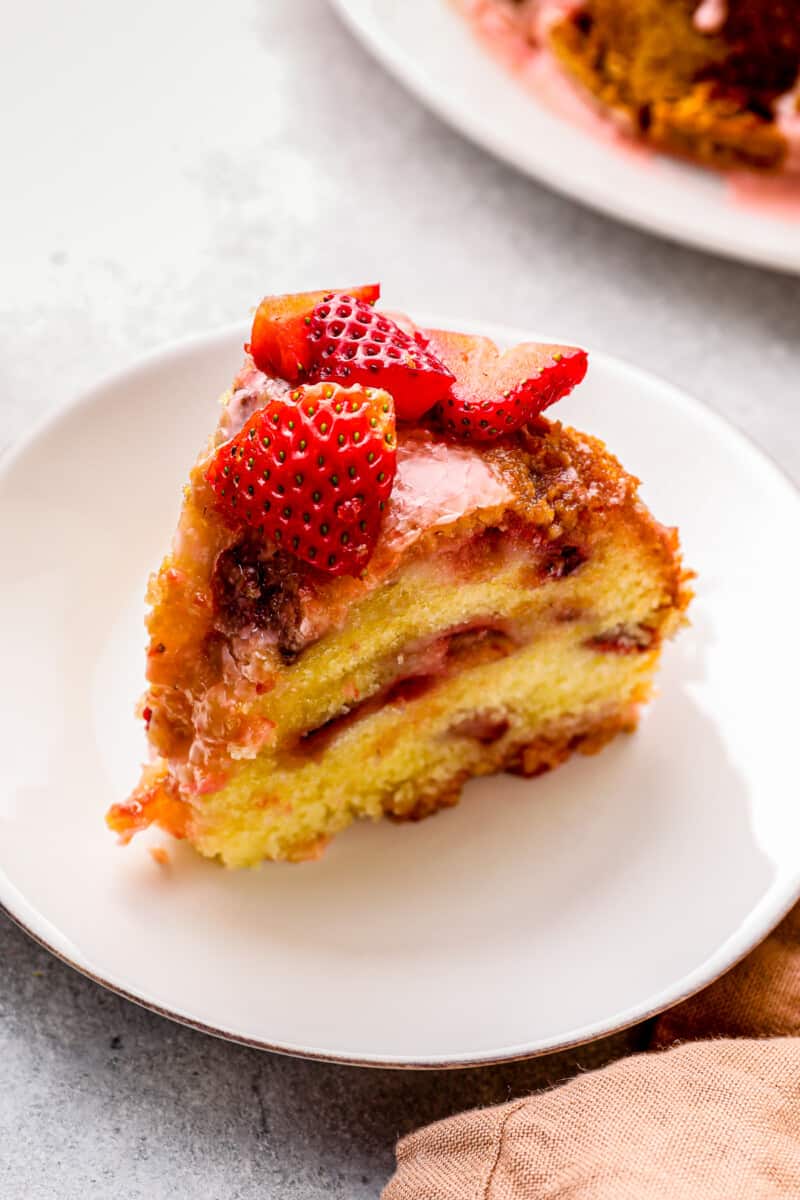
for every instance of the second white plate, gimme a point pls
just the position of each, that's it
(432, 50)
(538, 913)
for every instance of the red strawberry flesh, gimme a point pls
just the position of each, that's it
(494, 394)
(279, 338)
(351, 343)
(312, 474)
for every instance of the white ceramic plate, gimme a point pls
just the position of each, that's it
(538, 913)
(432, 50)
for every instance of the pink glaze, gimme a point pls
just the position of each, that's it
(436, 484)
(766, 195)
(774, 195)
(549, 12)
(251, 390)
(501, 29)
(710, 15)
(516, 28)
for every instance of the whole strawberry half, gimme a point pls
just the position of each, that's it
(351, 343)
(493, 393)
(312, 472)
(279, 339)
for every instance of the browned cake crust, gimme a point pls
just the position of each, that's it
(581, 735)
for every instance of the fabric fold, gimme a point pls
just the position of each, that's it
(699, 1117)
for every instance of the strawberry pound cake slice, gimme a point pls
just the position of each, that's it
(390, 574)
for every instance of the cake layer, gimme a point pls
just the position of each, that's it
(404, 757)
(548, 653)
(436, 678)
(505, 588)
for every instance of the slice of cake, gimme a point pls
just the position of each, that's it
(390, 574)
(711, 80)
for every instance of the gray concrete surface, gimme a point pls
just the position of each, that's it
(101, 1098)
(171, 164)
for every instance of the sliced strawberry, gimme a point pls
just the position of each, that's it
(279, 339)
(351, 343)
(495, 393)
(312, 472)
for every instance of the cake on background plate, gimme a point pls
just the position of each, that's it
(391, 574)
(715, 81)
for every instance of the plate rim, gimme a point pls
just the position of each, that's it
(377, 1062)
(30, 920)
(617, 207)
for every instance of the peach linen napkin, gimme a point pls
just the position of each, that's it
(712, 1112)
